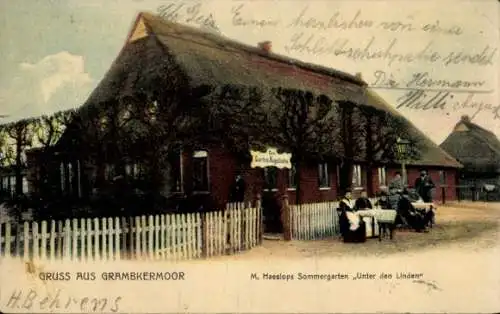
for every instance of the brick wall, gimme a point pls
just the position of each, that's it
(310, 192)
(413, 173)
(223, 167)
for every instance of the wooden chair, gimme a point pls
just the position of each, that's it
(386, 226)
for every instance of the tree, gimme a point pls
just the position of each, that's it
(47, 130)
(389, 128)
(21, 133)
(307, 123)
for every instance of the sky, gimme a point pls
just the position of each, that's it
(53, 52)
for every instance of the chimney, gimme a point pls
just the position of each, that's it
(265, 46)
(465, 118)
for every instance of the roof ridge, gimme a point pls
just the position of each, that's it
(481, 128)
(320, 69)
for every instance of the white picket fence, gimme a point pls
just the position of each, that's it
(314, 221)
(169, 236)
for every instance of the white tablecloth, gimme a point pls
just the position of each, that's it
(381, 215)
(372, 217)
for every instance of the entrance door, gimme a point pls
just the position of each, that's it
(270, 203)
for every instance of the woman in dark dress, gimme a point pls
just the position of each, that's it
(363, 202)
(352, 227)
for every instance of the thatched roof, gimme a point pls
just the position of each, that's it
(430, 153)
(211, 59)
(475, 147)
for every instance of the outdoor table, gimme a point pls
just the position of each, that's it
(379, 219)
(423, 205)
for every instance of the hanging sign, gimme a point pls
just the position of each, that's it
(271, 158)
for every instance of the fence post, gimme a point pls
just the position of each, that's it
(8, 239)
(260, 219)
(443, 194)
(285, 218)
(26, 233)
(204, 234)
(66, 240)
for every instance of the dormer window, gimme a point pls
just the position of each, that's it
(103, 123)
(126, 113)
(152, 110)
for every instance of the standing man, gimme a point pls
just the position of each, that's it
(237, 193)
(424, 186)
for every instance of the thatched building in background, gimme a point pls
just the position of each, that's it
(479, 151)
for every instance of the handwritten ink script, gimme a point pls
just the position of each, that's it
(318, 36)
(423, 92)
(188, 13)
(424, 80)
(34, 301)
(388, 49)
(430, 60)
(445, 101)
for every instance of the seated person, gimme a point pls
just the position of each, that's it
(383, 201)
(363, 202)
(393, 199)
(352, 227)
(413, 195)
(427, 214)
(406, 210)
(346, 203)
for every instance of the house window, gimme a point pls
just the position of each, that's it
(382, 178)
(109, 171)
(176, 180)
(4, 184)
(133, 170)
(78, 178)
(125, 114)
(70, 178)
(442, 177)
(292, 178)
(200, 171)
(323, 175)
(357, 176)
(12, 180)
(152, 110)
(63, 176)
(25, 185)
(104, 121)
(270, 178)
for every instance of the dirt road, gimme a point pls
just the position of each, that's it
(466, 226)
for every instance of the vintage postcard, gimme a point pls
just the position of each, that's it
(248, 156)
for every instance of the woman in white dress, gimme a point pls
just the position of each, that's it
(352, 227)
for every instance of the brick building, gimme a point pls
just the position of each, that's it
(163, 61)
